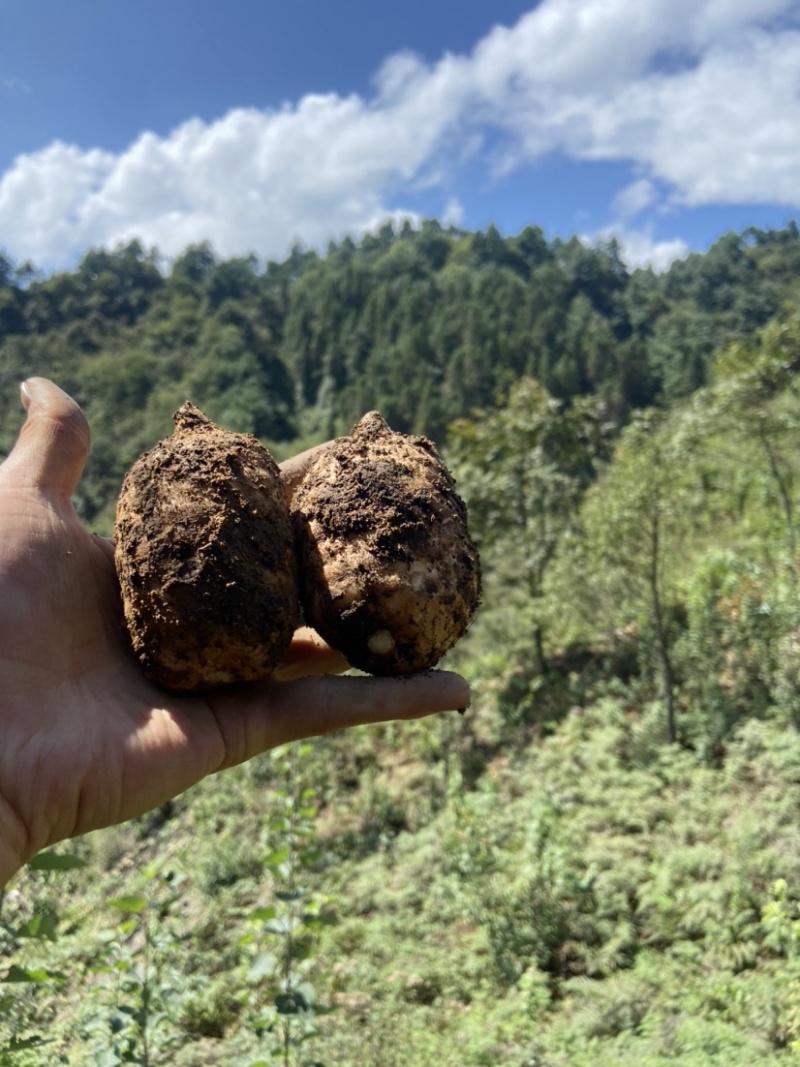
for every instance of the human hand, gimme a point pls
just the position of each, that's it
(85, 739)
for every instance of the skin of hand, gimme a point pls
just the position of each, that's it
(85, 739)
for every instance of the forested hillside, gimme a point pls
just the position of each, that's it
(600, 862)
(426, 325)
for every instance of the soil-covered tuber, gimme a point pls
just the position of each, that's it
(388, 573)
(205, 558)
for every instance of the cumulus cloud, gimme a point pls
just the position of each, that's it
(701, 97)
(639, 248)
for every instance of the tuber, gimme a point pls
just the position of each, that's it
(205, 558)
(388, 573)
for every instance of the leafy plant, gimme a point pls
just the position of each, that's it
(282, 998)
(136, 990)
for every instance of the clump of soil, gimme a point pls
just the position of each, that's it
(205, 558)
(388, 573)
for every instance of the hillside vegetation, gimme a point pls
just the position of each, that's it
(426, 325)
(600, 862)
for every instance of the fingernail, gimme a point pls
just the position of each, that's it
(25, 395)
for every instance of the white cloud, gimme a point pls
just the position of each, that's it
(635, 198)
(453, 214)
(639, 248)
(44, 200)
(701, 97)
(722, 132)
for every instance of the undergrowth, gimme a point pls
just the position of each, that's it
(590, 897)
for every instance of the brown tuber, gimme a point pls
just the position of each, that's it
(205, 558)
(388, 573)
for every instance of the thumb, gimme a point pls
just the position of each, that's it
(53, 444)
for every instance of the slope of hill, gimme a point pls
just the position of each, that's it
(599, 863)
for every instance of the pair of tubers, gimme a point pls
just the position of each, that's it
(213, 561)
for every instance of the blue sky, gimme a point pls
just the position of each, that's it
(253, 124)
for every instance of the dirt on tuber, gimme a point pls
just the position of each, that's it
(388, 573)
(214, 563)
(205, 558)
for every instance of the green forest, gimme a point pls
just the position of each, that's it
(599, 863)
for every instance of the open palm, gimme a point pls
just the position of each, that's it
(85, 739)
